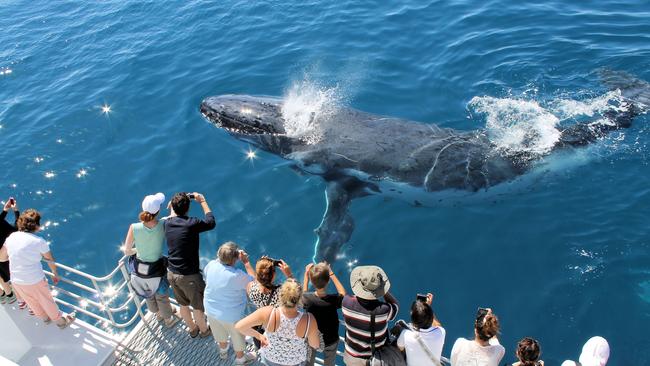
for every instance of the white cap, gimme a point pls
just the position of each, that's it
(595, 352)
(152, 203)
(569, 363)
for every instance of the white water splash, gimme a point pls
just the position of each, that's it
(569, 108)
(306, 103)
(523, 125)
(517, 124)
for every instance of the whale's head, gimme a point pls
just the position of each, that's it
(257, 120)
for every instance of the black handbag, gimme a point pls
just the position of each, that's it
(144, 269)
(387, 355)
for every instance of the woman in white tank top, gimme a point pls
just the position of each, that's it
(289, 331)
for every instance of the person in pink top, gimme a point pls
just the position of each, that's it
(26, 250)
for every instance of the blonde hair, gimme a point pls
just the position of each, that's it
(290, 293)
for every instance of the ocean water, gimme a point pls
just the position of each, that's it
(563, 256)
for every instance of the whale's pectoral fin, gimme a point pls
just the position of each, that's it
(337, 226)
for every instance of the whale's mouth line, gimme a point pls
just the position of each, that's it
(235, 127)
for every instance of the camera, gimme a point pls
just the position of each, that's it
(191, 196)
(421, 297)
(276, 262)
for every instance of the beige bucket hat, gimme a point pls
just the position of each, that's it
(369, 282)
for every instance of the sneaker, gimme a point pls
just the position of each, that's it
(223, 352)
(9, 299)
(248, 358)
(205, 334)
(171, 321)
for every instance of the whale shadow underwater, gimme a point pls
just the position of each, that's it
(359, 154)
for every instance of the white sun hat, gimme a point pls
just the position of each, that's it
(152, 202)
(595, 352)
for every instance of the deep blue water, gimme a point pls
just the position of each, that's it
(563, 257)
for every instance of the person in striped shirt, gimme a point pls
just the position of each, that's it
(369, 284)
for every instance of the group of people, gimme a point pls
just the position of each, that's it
(292, 321)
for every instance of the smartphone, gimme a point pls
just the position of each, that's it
(422, 297)
(190, 196)
(12, 201)
(277, 263)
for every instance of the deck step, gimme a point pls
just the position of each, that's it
(153, 344)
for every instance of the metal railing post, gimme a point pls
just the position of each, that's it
(105, 307)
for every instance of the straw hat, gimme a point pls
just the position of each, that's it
(369, 282)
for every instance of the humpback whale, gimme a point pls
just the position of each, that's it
(358, 153)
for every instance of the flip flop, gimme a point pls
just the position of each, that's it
(22, 305)
(68, 320)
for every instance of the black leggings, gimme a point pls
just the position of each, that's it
(4, 271)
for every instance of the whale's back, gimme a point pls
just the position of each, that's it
(419, 154)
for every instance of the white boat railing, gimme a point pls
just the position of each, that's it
(103, 292)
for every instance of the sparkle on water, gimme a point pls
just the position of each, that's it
(50, 175)
(106, 109)
(82, 173)
(38, 159)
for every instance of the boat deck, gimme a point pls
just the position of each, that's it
(153, 344)
(80, 344)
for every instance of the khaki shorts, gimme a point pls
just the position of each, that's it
(188, 289)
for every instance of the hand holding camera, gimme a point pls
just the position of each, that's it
(11, 203)
(284, 267)
(243, 256)
(427, 298)
(196, 196)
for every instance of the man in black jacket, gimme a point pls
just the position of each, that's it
(184, 271)
(7, 296)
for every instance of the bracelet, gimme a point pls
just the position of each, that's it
(332, 274)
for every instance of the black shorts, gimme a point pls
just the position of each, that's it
(4, 271)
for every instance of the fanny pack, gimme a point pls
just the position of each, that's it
(144, 269)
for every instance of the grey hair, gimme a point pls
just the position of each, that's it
(228, 253)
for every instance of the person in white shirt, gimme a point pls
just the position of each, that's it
(484, 349)
(424, 338)
(26, 250)
(594, 353)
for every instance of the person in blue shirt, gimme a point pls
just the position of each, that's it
(225, 299)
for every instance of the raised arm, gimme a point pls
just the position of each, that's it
(339, 286)
(128, 242)
(305, 279)
(390, 298)
(209, 222)
(244, 258)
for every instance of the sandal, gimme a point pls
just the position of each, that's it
(68, 320)
(47, 321)
(31, 312)
(194, 332)
(22, 305)
(207, 333)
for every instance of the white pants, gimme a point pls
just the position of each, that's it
(221, 331)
